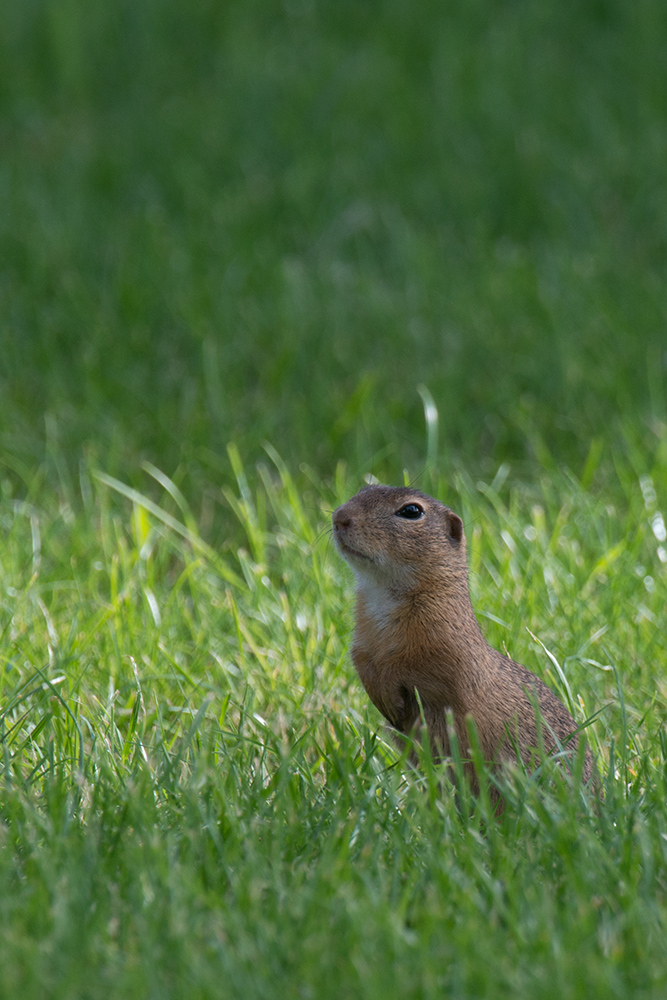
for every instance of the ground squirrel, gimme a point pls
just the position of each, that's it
(416, 631)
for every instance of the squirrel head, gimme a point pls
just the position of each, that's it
(400, 538)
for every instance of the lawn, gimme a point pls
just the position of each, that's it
(251, 254)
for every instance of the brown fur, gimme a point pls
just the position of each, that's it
(416, 632)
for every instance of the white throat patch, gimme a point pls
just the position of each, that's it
(381, 592)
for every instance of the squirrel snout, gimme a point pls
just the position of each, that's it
(341, 518)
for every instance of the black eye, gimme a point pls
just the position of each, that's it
(411, 510)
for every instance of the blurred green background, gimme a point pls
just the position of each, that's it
(241, 220)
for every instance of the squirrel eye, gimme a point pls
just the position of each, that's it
(411, 510)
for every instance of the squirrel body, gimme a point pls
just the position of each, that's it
(418, 647)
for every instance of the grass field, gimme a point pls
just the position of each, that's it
(250, 254)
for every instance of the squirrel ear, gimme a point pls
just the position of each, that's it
(455, 526)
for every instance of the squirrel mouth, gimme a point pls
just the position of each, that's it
(348, 550)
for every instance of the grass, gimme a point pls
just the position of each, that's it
(415, 241)
(196, 792)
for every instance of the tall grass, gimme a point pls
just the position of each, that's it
(197, 799)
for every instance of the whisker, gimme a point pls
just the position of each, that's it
(321, 534)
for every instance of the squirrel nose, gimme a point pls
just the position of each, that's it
(341, 518)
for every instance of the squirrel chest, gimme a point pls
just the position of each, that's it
(396, 651)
